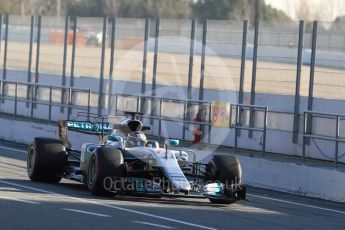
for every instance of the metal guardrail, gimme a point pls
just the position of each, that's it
(239, 108)
(32, 100)
(307, 132)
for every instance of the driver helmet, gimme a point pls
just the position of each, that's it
(136, 139)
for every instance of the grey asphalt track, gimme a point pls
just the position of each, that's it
(68, 205)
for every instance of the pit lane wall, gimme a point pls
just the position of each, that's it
(282, 176)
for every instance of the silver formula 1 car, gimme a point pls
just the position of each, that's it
(125, 162)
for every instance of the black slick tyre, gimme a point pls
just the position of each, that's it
(46, 160)
(105, 165)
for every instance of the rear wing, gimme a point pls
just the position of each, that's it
(93, 128)
(89, 127)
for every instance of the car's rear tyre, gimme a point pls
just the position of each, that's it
(46, 160)
(105, 165)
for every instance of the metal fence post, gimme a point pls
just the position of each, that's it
(154, 76)
(15, 99)
(184, 119)
(50, 103)
(191, 61)
(203, 54)
(160, 117)
(88, 104)
(253, 86)
(29, 80)
(305, 117)
(264, 133)
(298, 82)
(111, 69)
(75, 23)
(69, 109)
(33, 89)
(64, 64)
(236, 129)
(210, 123)
(311, 77)
(336, 142)
(101, 79)
(143, 78)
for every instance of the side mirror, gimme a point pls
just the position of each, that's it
(172, 142)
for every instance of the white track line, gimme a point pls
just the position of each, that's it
(151, 224)
(297, 204)
(19, 200)
(110, 206)
(85, 212)
(13, 149)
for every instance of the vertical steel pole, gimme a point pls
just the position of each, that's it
(0, 30)
(298, 82)
(71, 84)
(336, 142)
(191, 61)
(253, 86)
(64, 64)
(143, 78)
(155, 59)
(5, 49)
(30, 58)
(311, 77)
(203, 54)
(190, 70)
(39, 23)
(154, 77)
(4, 70)
(111, 69)
(242, 72)
(101, 79)
(243, 61)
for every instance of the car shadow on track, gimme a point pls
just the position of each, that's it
(80, 190)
